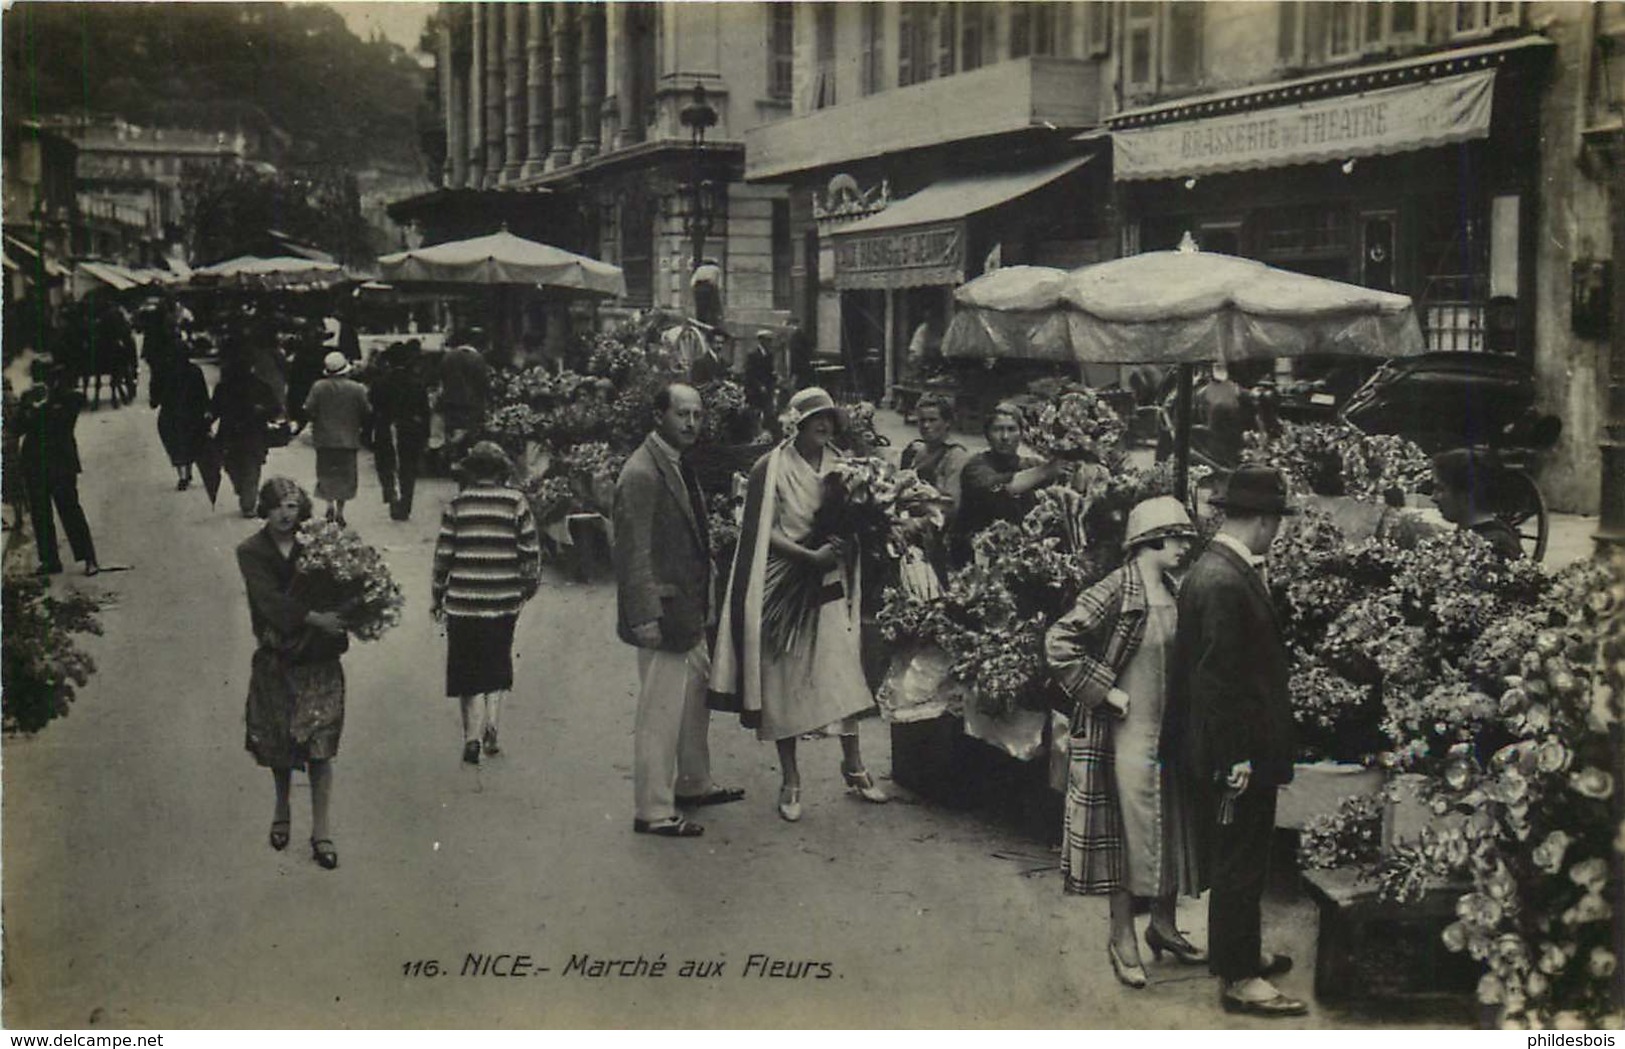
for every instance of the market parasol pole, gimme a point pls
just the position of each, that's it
(1186, 378)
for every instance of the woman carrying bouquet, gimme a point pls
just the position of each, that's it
(487, 564)
(296, 687)
(1129, 830)
(787, 653)
(998, 484)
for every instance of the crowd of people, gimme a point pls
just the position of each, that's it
(1182, 729)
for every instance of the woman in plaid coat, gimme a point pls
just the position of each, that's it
(1130, 831)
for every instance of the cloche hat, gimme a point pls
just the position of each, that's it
(804, 404)
(335, 364)
(1157, 518)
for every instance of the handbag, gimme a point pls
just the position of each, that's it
(278, 434)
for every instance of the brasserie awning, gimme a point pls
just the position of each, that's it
(1419, 102)
(920, 240)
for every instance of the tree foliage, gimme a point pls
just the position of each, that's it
(228, 210)
(217, 66)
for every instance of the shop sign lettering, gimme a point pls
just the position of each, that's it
(933, 247)
(1390, 120)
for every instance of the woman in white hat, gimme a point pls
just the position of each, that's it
(811, 680)
(337, 409)
(1130, 830)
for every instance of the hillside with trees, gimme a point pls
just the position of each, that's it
(296, 69)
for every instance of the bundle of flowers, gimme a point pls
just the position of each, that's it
(615, 359)
(722, 529)
(1330, 459)
(1001, 664)
(44, 667)
(1456, 584)
(1381, 467)
(337, 572)
(513, 424)
(586, 419)
(551, 498)
(1541, 826)
(861, 432)
(727, 418)
(918, 511)
(592, 469)
(1077, 425)
(1335, 718)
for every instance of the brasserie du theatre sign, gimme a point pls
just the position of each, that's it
(1386, 120)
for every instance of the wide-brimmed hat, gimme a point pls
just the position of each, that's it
(1159, 518)
(806, 403)
(1255, 490)
(485, 460)
(335, 364)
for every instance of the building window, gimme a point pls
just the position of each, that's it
(947, 38)
(1184, 42)
(1289, 33)
(1454, 252)
(1479, 17)
(914, 44)
(1034, 29)
(1140, 42)
(976, 35)
(783, 256)
(823, 86)
(781, 50)
(1098, 29)
(1342, 29)
(637, 230)
(874, 39)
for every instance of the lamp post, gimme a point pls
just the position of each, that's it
(699, 192)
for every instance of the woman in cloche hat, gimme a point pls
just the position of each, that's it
(786, 682)
(1129, 827)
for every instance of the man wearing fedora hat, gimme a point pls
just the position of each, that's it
(337, 408)
(1230, 721)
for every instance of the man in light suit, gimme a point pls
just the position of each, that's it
(663, 605)
(1229, 720)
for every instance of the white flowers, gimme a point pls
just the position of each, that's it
(1548, 855)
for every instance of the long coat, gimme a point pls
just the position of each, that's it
(662, 552)
(1228, 701)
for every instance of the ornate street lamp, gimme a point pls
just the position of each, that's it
(699, 192)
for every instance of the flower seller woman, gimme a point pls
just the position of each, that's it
(998, 484)
(788, 680)
(296, 686)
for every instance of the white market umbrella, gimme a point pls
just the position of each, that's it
(503, 259)
(287, 272)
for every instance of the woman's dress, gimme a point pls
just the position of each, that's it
(295, 709)
(818, 682)
(1158, 835)
(182, 397)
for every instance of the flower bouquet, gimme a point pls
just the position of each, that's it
(44, 667)
(592, 467)
(551, 498)
(726, 418)
(336, 572)
(512, 425)
(1077, 425)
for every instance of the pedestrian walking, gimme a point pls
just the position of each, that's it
(1464, 483)
(400, 425)
(809, 681)
(1230, 721)
(337, 408)
(998, 484)
(295, 710)
(49, 453)
(761, 381)
(487, 564)
(1130, 825)
(242, 408)
(663, 606)
(181, 395)
(465, 386)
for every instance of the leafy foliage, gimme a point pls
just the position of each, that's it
(44, 668)
(293, 67)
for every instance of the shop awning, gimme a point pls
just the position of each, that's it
(108, 275)
(921, 240)
(1371, 123)
(26, 252)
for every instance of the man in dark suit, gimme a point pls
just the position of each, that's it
(663, 605)
(1230, 721)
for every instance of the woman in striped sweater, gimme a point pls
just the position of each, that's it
(487, 564)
